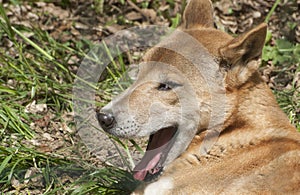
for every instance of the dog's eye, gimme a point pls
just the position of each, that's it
(164, 87)
(167, 86)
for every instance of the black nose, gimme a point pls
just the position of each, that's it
(106, 120)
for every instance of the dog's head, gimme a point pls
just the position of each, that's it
(181, 87)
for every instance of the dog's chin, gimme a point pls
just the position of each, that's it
(151, 165)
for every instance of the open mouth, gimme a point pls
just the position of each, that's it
(151, 165)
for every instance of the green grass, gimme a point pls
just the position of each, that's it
(285, 57)
(16, 161)
(39, 69)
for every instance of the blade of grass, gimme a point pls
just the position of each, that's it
(5, 162)
(272, 11)
(33, 44)
(5, 25)
(4, 89)
(16, 123)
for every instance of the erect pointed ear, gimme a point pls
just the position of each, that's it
(241, 53)
(245, 47)
(198, 13)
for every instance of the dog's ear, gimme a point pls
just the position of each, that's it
(240, 55)
(198, 13)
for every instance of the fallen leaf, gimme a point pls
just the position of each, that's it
(34, 108)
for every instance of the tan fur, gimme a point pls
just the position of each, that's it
(257, 150)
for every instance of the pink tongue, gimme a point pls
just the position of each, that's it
(141, 170)
(157, 143)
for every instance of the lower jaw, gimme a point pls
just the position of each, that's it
(157, 170)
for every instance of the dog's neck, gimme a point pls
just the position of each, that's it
(251, 121)
(262, 111)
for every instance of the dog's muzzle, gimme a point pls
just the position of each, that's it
(106, 120)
